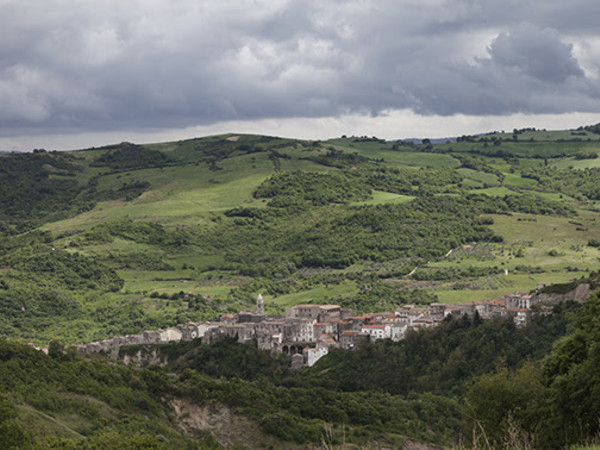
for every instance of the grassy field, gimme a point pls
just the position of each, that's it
(403, 156)
(320, 294)
(515, 179)
(500, 191)
(481, 177)
(554, 196)
(380, 198)
(580, 164)
(523, 148)
(499, 286)
(554, 246)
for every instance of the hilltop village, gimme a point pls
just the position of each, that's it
(308, 331)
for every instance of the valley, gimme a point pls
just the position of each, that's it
(131, 239)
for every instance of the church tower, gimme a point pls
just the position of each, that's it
(260, 306)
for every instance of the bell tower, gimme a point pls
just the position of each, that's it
(260, 306)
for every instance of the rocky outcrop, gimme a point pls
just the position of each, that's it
(224, 425)
(145, 356)
(579, 294)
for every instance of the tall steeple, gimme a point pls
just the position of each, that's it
(260, 306)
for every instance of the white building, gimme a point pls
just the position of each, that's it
(306, 333)
(312, 355)
(170, 335)
(377, 331)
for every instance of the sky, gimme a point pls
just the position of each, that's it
(81, 73)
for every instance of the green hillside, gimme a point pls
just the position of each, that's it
(114, 240)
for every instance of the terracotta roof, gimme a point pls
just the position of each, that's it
(365, 316)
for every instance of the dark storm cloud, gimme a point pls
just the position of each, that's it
(536, 53)
(158, 63)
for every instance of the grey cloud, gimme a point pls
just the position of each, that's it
(536, 52)
(158, 63)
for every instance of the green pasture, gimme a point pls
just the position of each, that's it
(407, 158)
(319, 294)
(499, 191)
(580, 164)
(481, 177)
(471, 184)
(161, 281)
(555, 245)
(181, 194)
(532, 162)
(521, 148)
(403, 156)
(501, 166)
(552, 243)
(554, 196)
(296, 163)
(380, 197)
(576, 256)
(118, 245)
(510, 283)
(515, 179)
(548, 229)
(144, 283)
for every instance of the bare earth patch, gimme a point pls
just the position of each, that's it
(227, 427)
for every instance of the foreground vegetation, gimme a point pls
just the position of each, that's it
(436, 386)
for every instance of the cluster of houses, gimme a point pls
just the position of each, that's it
(307, 332)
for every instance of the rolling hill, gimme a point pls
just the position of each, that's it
(114, 240)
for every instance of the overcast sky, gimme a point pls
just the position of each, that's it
(76, 73)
